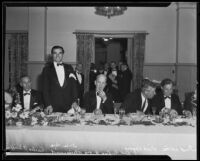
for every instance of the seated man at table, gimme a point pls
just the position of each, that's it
(29, 98)
(190, 103)
(166, 98)
(139, 100)
(98, 99)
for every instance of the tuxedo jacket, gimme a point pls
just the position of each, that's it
(60, 97)
(35, 99)
(159, 102)
(90, 103)
(80, 88)
(133, 102)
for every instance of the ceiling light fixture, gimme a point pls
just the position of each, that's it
(110, 11)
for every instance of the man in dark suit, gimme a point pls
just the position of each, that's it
(125, 80)
(29, 98)
(98, 99)
(166, 98)
(80, 82)
(139, 100)
(59, 83)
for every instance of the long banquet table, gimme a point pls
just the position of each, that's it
(177, 142)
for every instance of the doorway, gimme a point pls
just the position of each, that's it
(110, 49)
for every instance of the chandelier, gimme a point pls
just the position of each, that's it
(110, 11)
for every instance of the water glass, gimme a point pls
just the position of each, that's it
(154, 110)
(121, 113)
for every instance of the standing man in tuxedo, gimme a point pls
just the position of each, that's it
(140, 99)
(59, 83)
(30, 99)
(98, 99)
(80, 82)
(166, 98)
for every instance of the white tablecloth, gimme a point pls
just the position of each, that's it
(176, 142)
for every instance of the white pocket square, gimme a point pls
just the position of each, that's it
(72, 76)
(71, 111)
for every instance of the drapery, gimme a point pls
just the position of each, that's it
(135, 54)
(85, 54)
(18, 56)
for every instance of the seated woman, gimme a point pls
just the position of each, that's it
(190, 103)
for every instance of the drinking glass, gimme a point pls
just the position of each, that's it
(82, 113)
(154, 110)
(121, 113)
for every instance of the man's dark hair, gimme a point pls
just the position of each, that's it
(57, 47)
(23, 76)
(166, 81)
(146, 83)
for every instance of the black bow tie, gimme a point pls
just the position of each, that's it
(26, 94)
(61, 64)
(167, 97)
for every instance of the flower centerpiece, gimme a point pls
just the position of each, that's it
(17, 116)
(168, 115)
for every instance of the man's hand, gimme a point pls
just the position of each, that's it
(48, 110)
(103, 96)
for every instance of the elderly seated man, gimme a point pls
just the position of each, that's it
(98, 100)
(30, 99)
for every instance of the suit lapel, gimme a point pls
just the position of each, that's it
(66, 77)
(21, 98)
(31, 99)
(54, 74)
(93, 100)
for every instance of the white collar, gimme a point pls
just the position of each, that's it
(29, 91)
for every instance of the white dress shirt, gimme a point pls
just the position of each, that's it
(27, 99)
(79, 77)
(168, 102)
(98, 101)
(60, 71)
(143, 101)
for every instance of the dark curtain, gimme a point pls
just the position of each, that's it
(18, 57)
(136, 51)
(85, 53)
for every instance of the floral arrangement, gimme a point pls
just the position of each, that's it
(168, 114)
(17, 116)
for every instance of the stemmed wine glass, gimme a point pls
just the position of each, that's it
(76, 108)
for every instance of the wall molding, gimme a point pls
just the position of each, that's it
(44, 62)
(145, 64)
(170, 64)
(16, 31)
